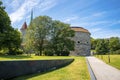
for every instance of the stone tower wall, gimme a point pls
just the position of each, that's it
(82, 44)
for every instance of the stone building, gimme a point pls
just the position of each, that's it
(23, 31)
(82, 42)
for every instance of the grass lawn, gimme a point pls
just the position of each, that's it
(77, 70)
(114, 60)
(32, 57)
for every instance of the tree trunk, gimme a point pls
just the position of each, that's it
(41, 48)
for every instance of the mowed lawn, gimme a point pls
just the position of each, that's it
(32, 57)
(77, 70)
(114, 60)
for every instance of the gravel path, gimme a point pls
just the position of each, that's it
(102, 70)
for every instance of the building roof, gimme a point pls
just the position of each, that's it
(81, 29)
(24, 26)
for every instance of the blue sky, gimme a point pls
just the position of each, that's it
(100, 17)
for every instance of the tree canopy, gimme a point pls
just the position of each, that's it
(9, 37)
(104, 46)
(60, 38)
(46, 36)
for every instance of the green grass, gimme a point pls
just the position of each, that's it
(32, 57)
(114, 60)
(77, 70)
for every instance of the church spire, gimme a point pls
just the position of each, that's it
(31, 15)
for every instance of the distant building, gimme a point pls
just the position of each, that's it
(82, 42)
(23, 31)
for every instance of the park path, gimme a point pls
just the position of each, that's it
(103, 71)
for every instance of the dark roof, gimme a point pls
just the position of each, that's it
(81, 29)
(24, 26)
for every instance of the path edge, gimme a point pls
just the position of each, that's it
(91, 72)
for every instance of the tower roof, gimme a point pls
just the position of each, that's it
(79, 29)
(24, 26)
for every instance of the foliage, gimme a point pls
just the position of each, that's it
(3, 51)
(102, 46)
(19, 52)
(48, 52)
(116, 52)
(93, 43)
(60, 38)
(9, 37)
(14, 42)
(4, 25)
(108, 45)
(46, 35)
(114, 44)
(37, 33)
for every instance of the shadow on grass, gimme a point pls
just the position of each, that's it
(14, 57)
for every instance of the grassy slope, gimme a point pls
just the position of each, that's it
(114, 60)
(75, 71)
(25, 57)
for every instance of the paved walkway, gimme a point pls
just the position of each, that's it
(102, 70)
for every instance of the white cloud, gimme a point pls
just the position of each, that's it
(103, 33)
(98, 23)
(70, 19)
(26, 7)
(93, 24)
(94, 30)
(93, 16)
(11, 5)
(47, 4)
(15, 4)
(20, 13)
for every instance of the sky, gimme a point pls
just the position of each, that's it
(100, 17)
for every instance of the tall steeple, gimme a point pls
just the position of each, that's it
(31, 16)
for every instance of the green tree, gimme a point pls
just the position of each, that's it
(9, 37)
(60, 38)
(37, 33)
(4, 24)
(93, 43)
(108, 45)
(114, 44)
(49, 36)
(28, 45)
(12, 41)
(102, 46)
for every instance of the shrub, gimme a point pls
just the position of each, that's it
(62, 53)
(15, 52)
(48, 52)
(19, 52)
(65, 53)
(117, 52)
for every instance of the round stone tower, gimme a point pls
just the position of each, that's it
(82, 42)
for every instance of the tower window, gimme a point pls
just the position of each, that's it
(78, 41)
